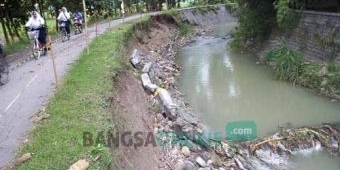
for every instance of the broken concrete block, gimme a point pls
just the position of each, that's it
(134, 59)
(166, 99)
(168, 104)
(147, 67)
(147, 83)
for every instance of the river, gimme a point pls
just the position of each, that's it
(225, 87)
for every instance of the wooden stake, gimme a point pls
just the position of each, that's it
(53, 63)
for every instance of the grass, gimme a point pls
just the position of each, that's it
(80, 105)
(323, 78)
(51, 24)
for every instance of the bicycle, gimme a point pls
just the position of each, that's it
(78, 26)
(37, 47)
(63, 32)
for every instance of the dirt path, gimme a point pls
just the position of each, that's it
(32, 84)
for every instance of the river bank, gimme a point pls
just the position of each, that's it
(191, 149)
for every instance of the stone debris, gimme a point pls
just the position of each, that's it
(80, 165)
(135, 59)
(185, 151)
(147, 67)
(201, 162)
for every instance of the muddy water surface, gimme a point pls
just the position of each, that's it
(224, 87)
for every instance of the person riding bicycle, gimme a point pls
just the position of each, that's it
(78, 16)
(78, 22)
(64, 17)
(36, 22)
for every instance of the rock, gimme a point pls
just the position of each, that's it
(155, 130)
(189, 165)
(80, 165)
(170, 123)
(134, 59)
(147, 67)
(185, 165)
(179, 165)
(185, 151)
(221, 169)
(209, 162)
(199, 130)
(205, 155)
(201, 162)
(206, 168)
(167, 128)
(160, 117)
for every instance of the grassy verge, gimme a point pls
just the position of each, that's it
(79, 106)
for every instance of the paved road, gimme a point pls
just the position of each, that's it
(32, 84)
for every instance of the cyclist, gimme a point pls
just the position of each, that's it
(64, 16)
(79, 16)
(78, 21)
(36, 22)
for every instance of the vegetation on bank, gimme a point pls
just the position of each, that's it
(81, 105)
(258, 18)
(289, 65)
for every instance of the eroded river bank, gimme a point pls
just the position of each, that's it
(188, 148)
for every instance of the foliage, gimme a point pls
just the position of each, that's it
(256, 18)
(286, 18)
(287, 62)
(289, 65)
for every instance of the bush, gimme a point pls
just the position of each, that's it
(256, 20)
(287, 63)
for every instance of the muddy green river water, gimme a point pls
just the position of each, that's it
(225, 87)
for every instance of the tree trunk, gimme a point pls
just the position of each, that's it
(15, 30)
(9, 29)
(4, 30)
